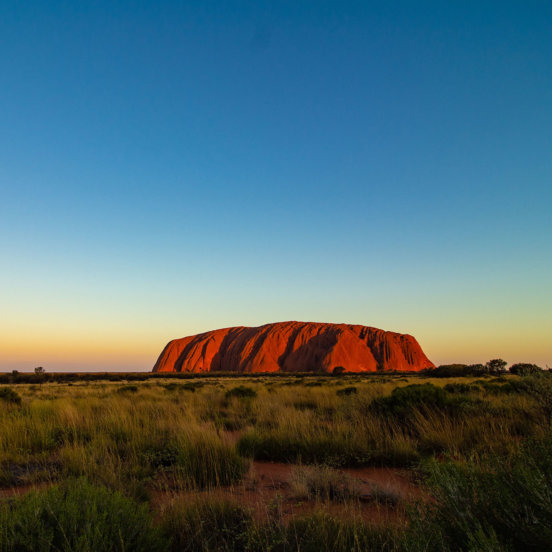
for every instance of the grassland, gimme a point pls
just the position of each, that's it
(304, 463)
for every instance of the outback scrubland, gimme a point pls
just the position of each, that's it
(310, 463)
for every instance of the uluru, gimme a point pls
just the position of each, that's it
(294, 347)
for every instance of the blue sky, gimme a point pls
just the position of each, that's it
(169, 169)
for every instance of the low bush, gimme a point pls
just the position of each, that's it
(202, 462)
(321, 532)
(403, 401)
(347, 391)
(497, 504)
(207, 525)
(323, 483)
(128, 389)
(525, 369)
(457, 371)
(215, 525)
(333, 450)
(241, 392)
(78, 516)
(459, 388)
(8, 395)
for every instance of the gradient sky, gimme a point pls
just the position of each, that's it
(170, 168)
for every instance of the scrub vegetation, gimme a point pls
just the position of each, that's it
(303, 462)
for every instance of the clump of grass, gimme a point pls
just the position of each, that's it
(460, 387)
(346, 391)
(78, 516)
(319, 447)
(241, 392)
(206, 461)
(404, 401)
(498, 503)
(127, 389)
(213, 525)
(321, 532)
(191, 386)
(205, 525)
(323, 483)
(305, 404)
(8, 395)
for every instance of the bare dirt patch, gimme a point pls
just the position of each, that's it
(268, 490)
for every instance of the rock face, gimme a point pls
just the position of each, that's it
(293, 347)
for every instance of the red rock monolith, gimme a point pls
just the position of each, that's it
(294, 347)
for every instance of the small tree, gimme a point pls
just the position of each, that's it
(496, 366)
(338, 370)
(39, 370)
(525, 369)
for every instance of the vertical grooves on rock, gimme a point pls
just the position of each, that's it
(294, 347)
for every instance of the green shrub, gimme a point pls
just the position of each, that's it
(404, 400)
(457, 371)
(77, 517)
(242, 392)
(347, 391)
(459, 388)
(320, 532)
(525, 369)
(7, 394)
(323, 483)
(128, 389)
(209, 463)
(207, 525)
(337, 450)
(503, 502)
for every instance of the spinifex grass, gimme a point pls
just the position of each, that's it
(139, 438)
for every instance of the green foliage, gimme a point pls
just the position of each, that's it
(242, 392)
(525, 369)
(336, 449)
(457, 371)
(323, 483)
(460, 388)
(503, 502)
(207, 525)
(404, 400)
(496, 366)
(215, 525)
(77, 517)
(189, 386)
(539, 388)
(209, 463)
(319, 449)
(347, 391)
(128, 389)
(8, 395)
(322, 533)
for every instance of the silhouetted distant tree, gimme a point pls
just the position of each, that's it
(338, 370)
(496, 366)
(39, 370)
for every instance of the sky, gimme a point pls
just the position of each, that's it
(167, 168)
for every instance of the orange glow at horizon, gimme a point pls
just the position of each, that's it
(107, 349)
